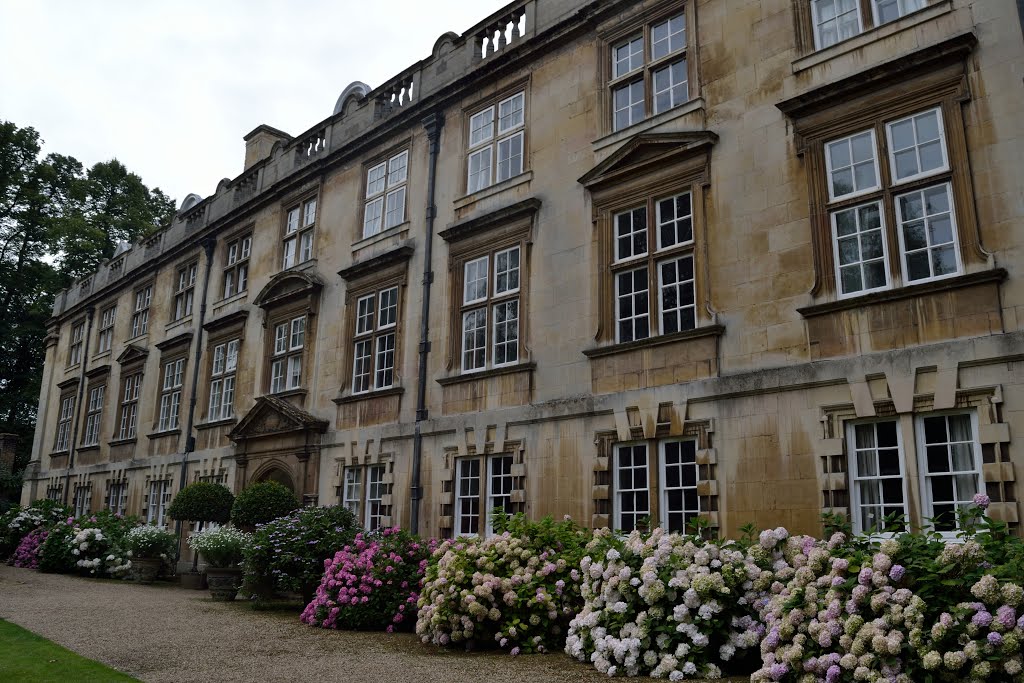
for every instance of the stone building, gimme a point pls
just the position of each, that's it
(744, 260)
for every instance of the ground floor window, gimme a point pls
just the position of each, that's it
(362, 492)
(159, 498)
(117, 497)
(481, 485)
(655, 484)
(82, 500)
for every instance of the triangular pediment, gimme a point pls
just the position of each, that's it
(271, 416)
(288, 286)
(647, 151)
(132, 354)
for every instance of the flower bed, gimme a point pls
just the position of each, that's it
(18, 522)
(371, 584)
(514, 589)
(27, 554)
(92, 545)
(669, 606)
(221, 547)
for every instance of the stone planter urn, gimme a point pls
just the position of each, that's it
(146, 569)
(193, 581)
(224, 582)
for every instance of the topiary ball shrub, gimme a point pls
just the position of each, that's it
(288, 554)
(202, 501)
(262, 503)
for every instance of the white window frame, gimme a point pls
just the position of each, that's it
(816, 25)
(892, 151)
(184, 290)
(953, 227)
(641, 66)
(901, 10)
(159, 499)
(62, 440)
(493, 469)
(375, 340)
(386, 194)
(489, 144)
(105, 338)
(856, 477)
(375, 488)
(287, 354)
(927, 498)
(117, 497)
(467, 505)
(299, 226)
(619, 491)
(633, 295)
(172, 381)
(94, 415)
(352, 491)
(140, 316)
(838, 267)
(482, 297)
(679, 285)
(236, 269)
(829, 169)
(130, 406)
(81, 500)
(222, 380)
(77, 343)
(663, 488)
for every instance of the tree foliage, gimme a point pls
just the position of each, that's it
(202, 501)
(58, 222)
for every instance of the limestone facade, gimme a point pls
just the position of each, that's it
(727, 259)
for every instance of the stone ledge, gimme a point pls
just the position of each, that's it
(368, 395)
(696, 333)
(484, 374)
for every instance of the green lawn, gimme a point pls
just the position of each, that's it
(25, 657)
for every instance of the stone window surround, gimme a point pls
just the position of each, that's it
(615, 31)
(220, 331)
(128, 373)
(406, 145)
(185, 293)
(76, 343)
(62, 436)
(507, 227)
(364, 462)
(449, 479)
(231, 269)
(991, 438)
(521, 85)
(803, 20)
(298, 201)
(869, 101)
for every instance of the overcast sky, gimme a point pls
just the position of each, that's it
(170, 87)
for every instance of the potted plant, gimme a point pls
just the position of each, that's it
(222, 549)
(149, 547)
(203, 503)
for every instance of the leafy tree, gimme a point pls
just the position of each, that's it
(202, 501)
(58, 222)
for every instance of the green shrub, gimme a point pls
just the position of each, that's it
(202, 501)
(262, 503)
(18, 522)
(151, 542)
(220, 547)
(288, 553)
(92, 545)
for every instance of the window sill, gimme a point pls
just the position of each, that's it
(368, 395)
(181, 322)
(123, 442)
(101, 355)
(242, 296)
(166, 432)
(908, 292)
(872, 35)
(301, 267)
(484, 374)
(217, 423)
(381, 236)
(59, 454)
(498, 188)
(87, 449)
(696, 104)
(289, 393)
(136, 339)
(696, 333)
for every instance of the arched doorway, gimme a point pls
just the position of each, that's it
(280, 476)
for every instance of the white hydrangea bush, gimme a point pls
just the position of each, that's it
(671, 606)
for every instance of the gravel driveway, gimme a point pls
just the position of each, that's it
(163, 633)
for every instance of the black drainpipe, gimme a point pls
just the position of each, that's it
(190, 441)
(73, 436)
(433, 123)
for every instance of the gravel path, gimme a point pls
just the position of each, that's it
(163, 633)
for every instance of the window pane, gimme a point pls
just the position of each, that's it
(918, 145)
(675, 221)
(474, 339)
(475, 285)
(632, 305)
(375, 180)
(627, 56)
(395, 214)
(631, 234)
(671, 87)
(628, 104)
(510, 157)
(398, 169)
(927, 229)
(668, 36)
(481, 127)
(510, 113)
(479, 170)
(851, 164)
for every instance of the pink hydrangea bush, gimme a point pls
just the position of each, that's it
(669, 606)
(27, 553)
(515, 589)
(372, 583)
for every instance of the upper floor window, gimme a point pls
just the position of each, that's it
(106, 336)
(490, 309)
(140, 314)
(62, 440)
(129, 406)
(655, 483)
(286, 360)
(77, 343)
(837, 20)
(236, 266)
(300, 221)
(222, 380)
(385, 194)
(649, 72)
(376, 330)
(170, 394)
(496, 142)
(908, 184)
(184, 290)
(94, 415)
